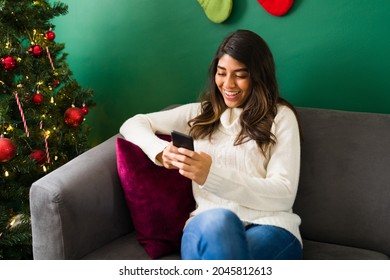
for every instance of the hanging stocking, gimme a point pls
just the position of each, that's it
(217, 10)
(276, 7)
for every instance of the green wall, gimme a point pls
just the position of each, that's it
(142, 55)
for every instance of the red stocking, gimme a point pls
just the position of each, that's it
(276, 7)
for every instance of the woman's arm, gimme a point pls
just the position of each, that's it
(142, 129)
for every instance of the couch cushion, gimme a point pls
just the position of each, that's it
(159, 199)
(313, 250)
(344, 192)
(125, 248)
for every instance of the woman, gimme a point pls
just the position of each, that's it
(245, 167)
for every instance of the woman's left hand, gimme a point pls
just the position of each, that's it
(193, 165)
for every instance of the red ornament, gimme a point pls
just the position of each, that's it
(56, 83)
(7, 149)
(85, 110)
(36, 51)
(50, 35)
(9, 63)
(39, 156)
(74, 116)
(37, 98)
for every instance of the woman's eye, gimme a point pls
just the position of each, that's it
(221, 74)
(242, 75)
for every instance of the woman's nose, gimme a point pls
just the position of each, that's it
(229, 82)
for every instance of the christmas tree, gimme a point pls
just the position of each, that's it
(42, 113)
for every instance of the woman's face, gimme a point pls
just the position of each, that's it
(233, 81)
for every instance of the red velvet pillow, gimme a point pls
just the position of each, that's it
(159, 199)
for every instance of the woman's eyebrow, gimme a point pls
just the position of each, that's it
(235, 70)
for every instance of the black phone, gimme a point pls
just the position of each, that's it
(182, 140)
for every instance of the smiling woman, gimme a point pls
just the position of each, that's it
(239, 183)
(242, 75)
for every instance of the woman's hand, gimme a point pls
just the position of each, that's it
(193, 165)
(167, 155)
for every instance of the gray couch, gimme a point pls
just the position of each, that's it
(78, 211)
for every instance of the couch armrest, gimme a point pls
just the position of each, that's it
(80, 206)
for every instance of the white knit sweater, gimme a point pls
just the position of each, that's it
(259, 189)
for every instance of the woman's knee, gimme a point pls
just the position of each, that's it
(271, 242)
(214, 234)
(218, 219)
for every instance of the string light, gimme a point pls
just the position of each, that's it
(6, 173)
(13, 220)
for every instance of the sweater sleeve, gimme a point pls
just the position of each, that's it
(275, 192)
(142, 128)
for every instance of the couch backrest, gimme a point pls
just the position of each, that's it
(344, 190)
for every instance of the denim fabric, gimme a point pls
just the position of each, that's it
(218, 234)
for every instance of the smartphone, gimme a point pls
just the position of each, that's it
(182, 140)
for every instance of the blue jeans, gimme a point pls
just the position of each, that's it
(218, 234)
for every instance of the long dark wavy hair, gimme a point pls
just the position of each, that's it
(260, 108)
